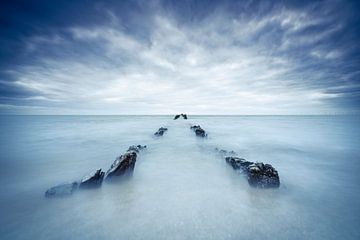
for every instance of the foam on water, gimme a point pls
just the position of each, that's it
(181, 188)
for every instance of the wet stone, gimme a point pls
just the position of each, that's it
(262, 175)
(61, 190)
(123, 166)
(92, 180)
(161, 131)
(198, 131)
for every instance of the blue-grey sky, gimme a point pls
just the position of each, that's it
(165, 57)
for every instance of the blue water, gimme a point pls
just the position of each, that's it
(181, 188)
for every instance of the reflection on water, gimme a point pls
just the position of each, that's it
(181, 189)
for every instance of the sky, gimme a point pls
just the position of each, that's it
(167, 57)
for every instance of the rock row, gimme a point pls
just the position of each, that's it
(122, 167)
(258, 174)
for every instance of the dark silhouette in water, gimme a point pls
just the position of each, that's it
(61, 190)
(122, 166)
(198, 131)
(263, 176)
(93, 180)
(181, 115)
(161, 131)
(258, 174)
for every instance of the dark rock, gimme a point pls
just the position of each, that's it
(93, 180)
(61, 190)
(263, 176)
(259, 175)
(123, 166)
(238, 163)
(184, 116)
(136, 148)
(198, 131)
(161, 131)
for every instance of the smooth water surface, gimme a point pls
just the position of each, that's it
(181, 188)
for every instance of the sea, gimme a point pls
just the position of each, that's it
(181, 187)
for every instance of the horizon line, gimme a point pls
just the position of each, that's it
(220, 115)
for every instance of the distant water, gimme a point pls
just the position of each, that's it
(181, 189)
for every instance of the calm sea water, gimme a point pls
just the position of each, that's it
(181, 189)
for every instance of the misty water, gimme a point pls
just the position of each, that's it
(181, 188)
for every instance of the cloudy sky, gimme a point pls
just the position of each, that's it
(165, 57)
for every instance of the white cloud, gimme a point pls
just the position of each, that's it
(212, 67)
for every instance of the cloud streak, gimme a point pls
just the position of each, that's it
(281, 62)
